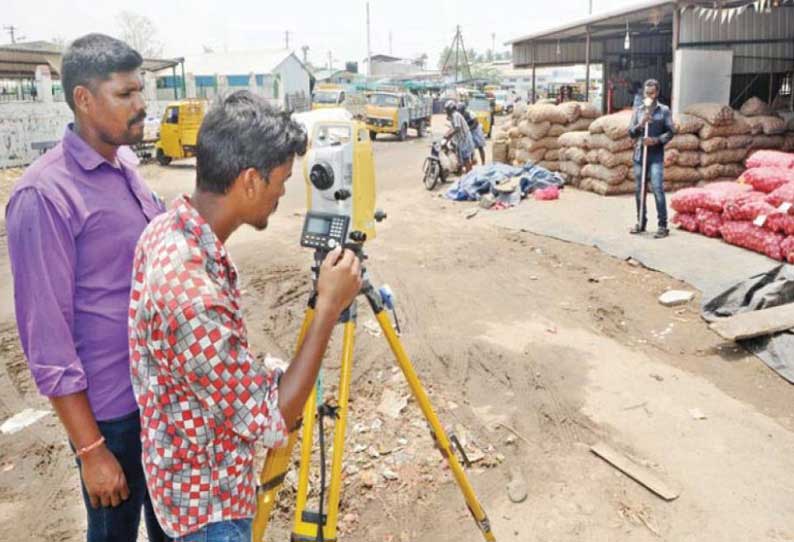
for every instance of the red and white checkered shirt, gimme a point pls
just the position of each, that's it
(204, 399)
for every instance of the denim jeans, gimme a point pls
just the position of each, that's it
(238, 530)
(654, 177)
(120, 524)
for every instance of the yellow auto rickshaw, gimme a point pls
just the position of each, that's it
(179, 129)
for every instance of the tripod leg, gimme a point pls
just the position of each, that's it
(306, 524)
(345, 377)
(442, 441)
(277, 462)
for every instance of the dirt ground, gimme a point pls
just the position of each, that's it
(532, 350)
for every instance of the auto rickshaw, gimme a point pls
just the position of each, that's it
(179, 129)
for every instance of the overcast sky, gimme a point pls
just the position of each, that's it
(417, 26)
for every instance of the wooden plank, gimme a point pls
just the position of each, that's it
(637, 472)
(747, 325)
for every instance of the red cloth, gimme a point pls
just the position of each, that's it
(548, 193)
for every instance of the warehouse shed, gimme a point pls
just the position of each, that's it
(699, 51)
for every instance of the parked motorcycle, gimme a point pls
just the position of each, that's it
(442, 162)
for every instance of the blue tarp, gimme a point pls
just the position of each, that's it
(482, 180)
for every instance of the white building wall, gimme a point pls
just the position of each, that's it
(294, 77)
(25, 123)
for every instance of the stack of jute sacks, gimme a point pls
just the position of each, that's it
(725, 139)
(532, 133)
(788, 139)
(601, 159)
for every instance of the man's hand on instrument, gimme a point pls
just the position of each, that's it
(650, 141)
(340, 279)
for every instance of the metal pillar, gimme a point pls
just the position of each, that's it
(587, 67)
(676, 43)
(184, 82)
(771, 87)
(534, 95)
(176, 92)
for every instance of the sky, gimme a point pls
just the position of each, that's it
(416, 26)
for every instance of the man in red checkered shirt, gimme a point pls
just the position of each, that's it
(204, 398)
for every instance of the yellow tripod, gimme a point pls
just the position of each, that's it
(321, 526)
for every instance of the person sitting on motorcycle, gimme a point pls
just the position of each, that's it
(461, 134)
(477, 135)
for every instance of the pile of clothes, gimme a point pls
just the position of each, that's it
(500, 185)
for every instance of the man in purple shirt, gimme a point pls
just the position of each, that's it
(73, 222)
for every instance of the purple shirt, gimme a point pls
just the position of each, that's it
(73, 221)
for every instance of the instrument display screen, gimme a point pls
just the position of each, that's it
(318, 226)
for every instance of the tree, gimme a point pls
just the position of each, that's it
(140, 33)
(443, 57)
(60, 41)
(421, 60)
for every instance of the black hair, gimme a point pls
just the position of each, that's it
(242, 131)
(653, 83)
(93, 58)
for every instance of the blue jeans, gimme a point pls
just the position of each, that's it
(654, 177)
(120, 524)
(238, 530)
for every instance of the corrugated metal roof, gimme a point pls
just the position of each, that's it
(632, 14)
(237, 62)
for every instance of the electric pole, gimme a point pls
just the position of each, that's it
(493, 46)
(369, 48)
(591, 8)
(11, 29)
(286, 37)
(330, 61)
(390, 48)
(459, 49)
(305, 50)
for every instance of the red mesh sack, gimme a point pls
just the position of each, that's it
(767, 179)
(708, 222)
(747, 235)
(711, 197)
(784, 194)
(780, 222)
(771, 159)
(746, 206)
(787, 249)
(686, 201)
(686, 221)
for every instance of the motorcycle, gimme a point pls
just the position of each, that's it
(442, 162)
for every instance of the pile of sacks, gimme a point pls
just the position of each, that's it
(531, 134)
(756, 213)
(725, 139)
(710, 145)
(601, 159)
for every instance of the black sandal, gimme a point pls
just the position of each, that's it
(636, 230)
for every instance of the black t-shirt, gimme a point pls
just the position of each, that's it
(471, 120)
